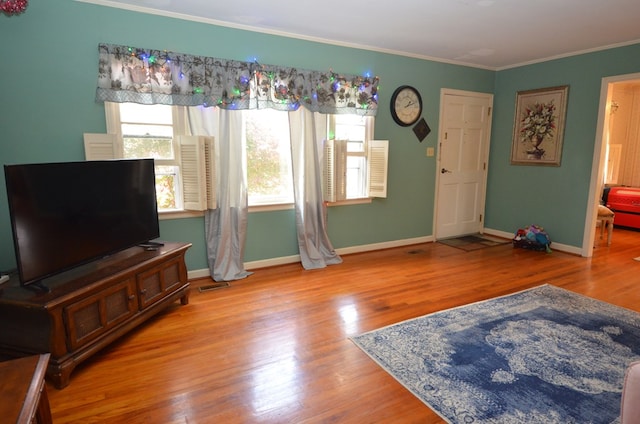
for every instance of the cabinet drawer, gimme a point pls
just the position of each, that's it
(155, 283)
(92, 316)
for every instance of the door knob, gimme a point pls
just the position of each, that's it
(444, 171)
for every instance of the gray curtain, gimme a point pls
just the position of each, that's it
(308, 129)
(225, 226)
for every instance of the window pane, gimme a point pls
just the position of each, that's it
(166, 187)
(350, 127)
(356, 177)
(148, 147)
(269, 176)
(355, 146)
(344, 132)
(146, 130)
(150, 114)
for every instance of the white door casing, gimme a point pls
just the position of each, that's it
(463, 148)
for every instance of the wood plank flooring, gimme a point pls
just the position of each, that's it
(275, 348)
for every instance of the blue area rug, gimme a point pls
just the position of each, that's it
(544, 356)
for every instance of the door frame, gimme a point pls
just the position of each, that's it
(465, 93)
(599, 152)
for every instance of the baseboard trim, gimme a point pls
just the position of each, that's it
(284, 260)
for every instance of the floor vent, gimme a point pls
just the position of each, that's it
(214, 286)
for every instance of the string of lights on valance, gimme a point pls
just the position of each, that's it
(130, 74)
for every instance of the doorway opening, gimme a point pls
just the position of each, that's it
(612, 145)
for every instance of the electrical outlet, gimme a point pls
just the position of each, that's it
(430, 151)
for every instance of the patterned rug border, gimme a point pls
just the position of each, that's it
(464, 306)
(492, 299)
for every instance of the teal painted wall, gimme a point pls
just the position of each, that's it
(47, 102)
(47, 89)
(554, 197)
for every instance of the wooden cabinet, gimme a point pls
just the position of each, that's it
(92, 316)
(23, 392)
(90, 306)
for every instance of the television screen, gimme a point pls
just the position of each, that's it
(68, 214)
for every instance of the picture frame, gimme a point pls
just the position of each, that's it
(538, 128)
(421, 130)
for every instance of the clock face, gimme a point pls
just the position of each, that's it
(406, 105)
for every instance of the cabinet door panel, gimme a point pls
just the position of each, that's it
(92, 316)
(155, 283)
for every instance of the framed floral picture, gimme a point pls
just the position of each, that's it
(538, 129)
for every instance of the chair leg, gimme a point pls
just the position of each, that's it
(600, 226)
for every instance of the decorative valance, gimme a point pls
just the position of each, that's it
(129, 74)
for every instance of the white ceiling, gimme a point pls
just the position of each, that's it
(491, 34)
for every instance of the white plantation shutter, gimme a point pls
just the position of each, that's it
(210, 171)
(198, 172)
(340, 167)
(335, 170)
(327, 171)
(101, 146)
(378, 157)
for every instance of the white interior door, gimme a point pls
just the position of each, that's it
(463, 147)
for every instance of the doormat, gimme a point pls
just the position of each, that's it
(474, 242)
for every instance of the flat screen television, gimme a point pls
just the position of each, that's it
(67, 214)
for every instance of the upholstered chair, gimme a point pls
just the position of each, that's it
(630, 407)
(605, 221)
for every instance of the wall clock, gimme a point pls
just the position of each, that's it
(406, 105)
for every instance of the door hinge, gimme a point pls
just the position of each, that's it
(484, 166)
(445, 135)
(480, 217)
(489, 111)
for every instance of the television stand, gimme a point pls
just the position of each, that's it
(90, 306)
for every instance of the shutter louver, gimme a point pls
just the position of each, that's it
(192, 161)
(335, 170)
(377, 163)
(328, 172)
(100, 146)
(210, 171)
(340, 178)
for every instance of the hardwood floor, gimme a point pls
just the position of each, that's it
(275, 348)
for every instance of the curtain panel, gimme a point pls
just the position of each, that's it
(131, 74)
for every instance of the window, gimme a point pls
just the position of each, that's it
(269, 176)
(355, 165)
(355, 131)
(145, 131)
(148, 132)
